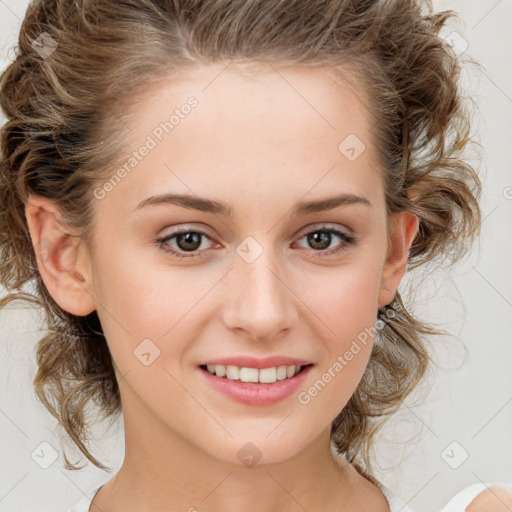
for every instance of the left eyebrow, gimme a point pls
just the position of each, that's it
(305, 207)
(222, 208)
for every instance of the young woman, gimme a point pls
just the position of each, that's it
(217, 202)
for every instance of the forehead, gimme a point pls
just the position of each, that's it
(252, 130)
(260, 93)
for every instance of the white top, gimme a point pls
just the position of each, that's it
(458, 503)
(464, 498)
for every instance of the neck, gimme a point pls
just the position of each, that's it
(161, 469)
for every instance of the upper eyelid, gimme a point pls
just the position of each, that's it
(307, 229)
(325, 225)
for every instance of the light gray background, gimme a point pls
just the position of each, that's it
(468, 400)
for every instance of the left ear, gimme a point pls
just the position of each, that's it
(403, 229)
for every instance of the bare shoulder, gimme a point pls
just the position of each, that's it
(494, 499)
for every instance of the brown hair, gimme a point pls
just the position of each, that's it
(58, 141)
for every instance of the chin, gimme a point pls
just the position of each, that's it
(258, 450)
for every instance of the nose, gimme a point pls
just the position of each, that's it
(260, 298)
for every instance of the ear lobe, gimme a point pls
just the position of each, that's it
(403, 231)
(63, 264)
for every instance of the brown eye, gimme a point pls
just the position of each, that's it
(185, 241)
(190, 241)
(320, 239)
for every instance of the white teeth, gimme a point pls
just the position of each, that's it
(281, 372)
(268, 375)
(232, 372)
(248, 374)
(219, 370)
(245, 374)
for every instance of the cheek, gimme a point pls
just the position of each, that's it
(138, 294)
(142, 300)
(131, 307)
(347, 307)
(339, 373)
(345, 300)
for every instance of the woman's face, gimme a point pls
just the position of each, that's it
(265, 279)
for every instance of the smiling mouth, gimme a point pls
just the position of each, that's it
(254, 375)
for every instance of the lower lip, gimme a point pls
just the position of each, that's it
(253, 393)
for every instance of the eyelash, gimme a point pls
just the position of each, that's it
(346, 240)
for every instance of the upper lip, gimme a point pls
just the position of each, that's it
(254, 362)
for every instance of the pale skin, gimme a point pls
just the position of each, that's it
(256, 144)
